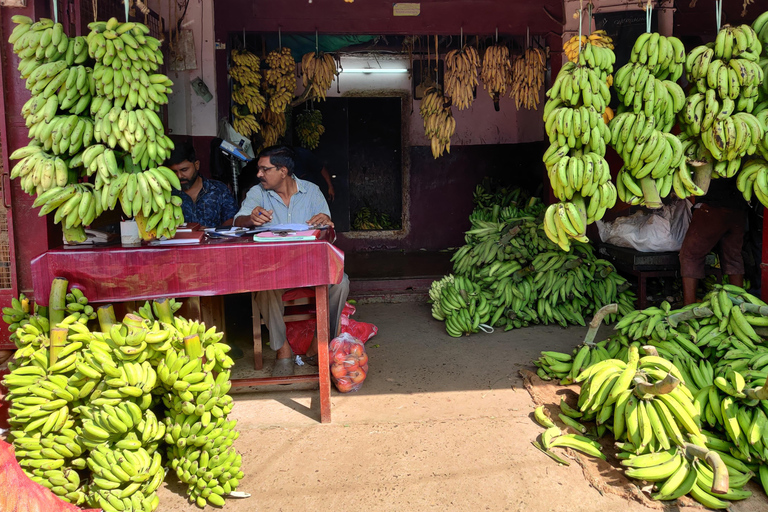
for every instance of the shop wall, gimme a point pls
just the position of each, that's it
(188, 113)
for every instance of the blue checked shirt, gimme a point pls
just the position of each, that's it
(215, 204)
(307, 202)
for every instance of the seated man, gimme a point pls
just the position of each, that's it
(207, 202)
(281, 198)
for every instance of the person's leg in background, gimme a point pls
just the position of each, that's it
(337, 298)
(704, 232)
(271, 306)
(731, 245)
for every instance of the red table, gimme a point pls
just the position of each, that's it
(217, 267)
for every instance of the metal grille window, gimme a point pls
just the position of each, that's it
(5, 246)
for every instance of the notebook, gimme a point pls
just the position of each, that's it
(286, 236)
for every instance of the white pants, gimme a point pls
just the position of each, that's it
(271, 307)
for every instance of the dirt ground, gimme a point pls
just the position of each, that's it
(440, 424)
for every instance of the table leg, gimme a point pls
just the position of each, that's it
(323, 328)
(258, 358)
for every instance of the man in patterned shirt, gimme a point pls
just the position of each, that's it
(207, 202)
(281, 198)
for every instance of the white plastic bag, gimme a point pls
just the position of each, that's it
(660, 231)
(228, 133)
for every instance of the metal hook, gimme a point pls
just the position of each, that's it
(279, 36)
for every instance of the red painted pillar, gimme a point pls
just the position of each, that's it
(33, 235)
(764, 262)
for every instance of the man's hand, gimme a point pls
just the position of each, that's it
(260, 216)
(320, 219)
(331, 192)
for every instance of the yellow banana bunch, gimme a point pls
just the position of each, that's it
(318, 70)
(273, 127)
(528, 78)
(245, 75)
(246, 59)
(249, 96)
(595, 51)
(497, 71)
(439, 124)
(280, 78)
(309, 128)
(461, 75)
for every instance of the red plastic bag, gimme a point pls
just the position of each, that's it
(20, 494)
(349, 363)
(300, 333)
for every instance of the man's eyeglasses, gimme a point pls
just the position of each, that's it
(265, 169)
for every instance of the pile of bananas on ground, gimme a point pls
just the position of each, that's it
(280, 79)
(246, 92)
(683, 393)
(511, 275)
(88, 419)
(93, 113)
(309, 128)
(439, 124)
(497, 71)
(318, 71)
(461, 75)
(654, 162)
(717, 121)
(198, 435)
(368, 218)
(575, 159)
(528, 78)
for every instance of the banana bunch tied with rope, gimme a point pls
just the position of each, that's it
(461, 75)
(280, 78)
(439, 124)
(199, 436)
(464, 306)
(126, 57)
(597, 45)
(318, 70)
(435, 294)
(309, 128)
(663, 56)
(496, 72)
(654, 161)
(528, 78)
(44, 41)
(139, 132)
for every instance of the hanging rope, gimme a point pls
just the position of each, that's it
(55, 11)
(127, 4)
(527, 37)
(461, 37)
(497, 35)
(648, 16)
(437, 63)
(718, 13)
(279, 37)
(317, 43)
(589, 13)
(95, 10)
(580, 25)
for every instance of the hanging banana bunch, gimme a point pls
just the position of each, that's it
(497, 71)
(318, 71)
(273, 127)
(528, 78)
(439, 124)
(309, 128)
(598, 38)
(280, 79)
(461, 75)
(246, 93)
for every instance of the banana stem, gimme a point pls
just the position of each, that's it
(662, 387)
(106, 315)
(57, 302)
(597, 320)
(133, 321)
(193, 346)
(650, 193)
(758, 393)
(164, 311)
(650, 350)
(677, 318)
(521, 274)
(746, 307)
(720, 482)
(702, 174)
(58, 340)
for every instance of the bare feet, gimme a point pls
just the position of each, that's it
(312, 350)
(284, 352)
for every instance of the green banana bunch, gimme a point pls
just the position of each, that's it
(309, 128)
(39, 171)
(139, 132)
(663, 56)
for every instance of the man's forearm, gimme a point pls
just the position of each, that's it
(243, 221)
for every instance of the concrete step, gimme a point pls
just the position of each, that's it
(390, 290)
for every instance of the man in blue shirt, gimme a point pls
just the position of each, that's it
(207, 202)
(281, 198)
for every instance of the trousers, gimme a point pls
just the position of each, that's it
(270, 304)
(710, 225)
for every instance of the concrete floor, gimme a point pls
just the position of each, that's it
(440, 424)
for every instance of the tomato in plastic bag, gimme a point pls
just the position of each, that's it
(349, 363)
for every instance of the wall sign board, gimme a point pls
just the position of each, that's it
(406, 9)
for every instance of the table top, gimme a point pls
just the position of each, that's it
(215, 267)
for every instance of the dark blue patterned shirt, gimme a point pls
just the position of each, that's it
(215, 204)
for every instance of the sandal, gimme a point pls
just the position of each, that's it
(310, 360)
(283, 368)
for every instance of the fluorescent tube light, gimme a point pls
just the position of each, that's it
(373, 70)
